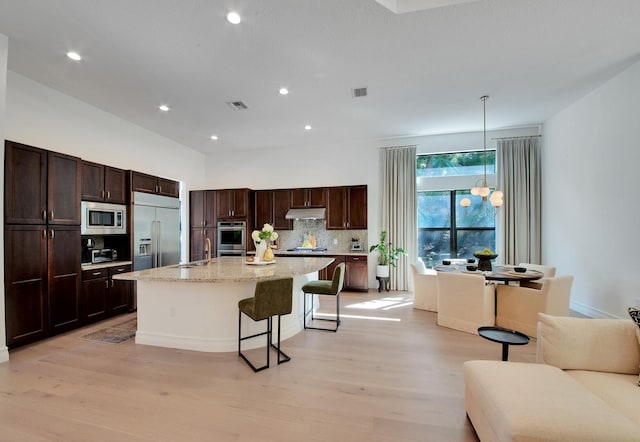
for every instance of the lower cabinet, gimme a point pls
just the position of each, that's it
(356, 274)
(104, 296)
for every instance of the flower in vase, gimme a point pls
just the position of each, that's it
(266, 233)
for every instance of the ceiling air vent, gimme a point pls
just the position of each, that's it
(359, 92)
(237, 105)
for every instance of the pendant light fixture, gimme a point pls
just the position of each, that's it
(481, 188)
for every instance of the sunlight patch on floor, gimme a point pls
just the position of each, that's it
(375, 318)
(382, 303)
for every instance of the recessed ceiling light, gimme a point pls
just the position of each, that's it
(307, 127)
(214, 137)
(234, 18)
(164, 108)
(74, 56)
(283, 91)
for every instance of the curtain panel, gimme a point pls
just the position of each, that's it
(519, 219)
(398, 209)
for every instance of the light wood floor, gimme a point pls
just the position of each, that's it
(389, 374)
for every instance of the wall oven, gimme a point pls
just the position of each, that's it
(103, 219)
(232, 238)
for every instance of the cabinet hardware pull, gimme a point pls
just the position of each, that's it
(108, 194)
(44, 215)
(52, 215)
(112, 283)
(160, 189)
(95, 273)
(102, 193)
(107, 283)
(53, 233)
(44, 234)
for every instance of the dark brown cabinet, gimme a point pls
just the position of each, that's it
(63, 257)
(202, 208)
(232, 203)
(347, 208)
(312, 197)
(103, 183)
(104, 296)
(271, 206)
(197, 240)
(356, 277)
(142, 182)
(41, 186)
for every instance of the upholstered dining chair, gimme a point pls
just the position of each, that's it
(271, 298)
(465, 301)
(425, 287)
(547, 271)
(518, 306)
(326, 288)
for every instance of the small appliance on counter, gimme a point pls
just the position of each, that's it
(356, 245)
(103, 255)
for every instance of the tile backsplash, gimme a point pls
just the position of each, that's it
(325, 238)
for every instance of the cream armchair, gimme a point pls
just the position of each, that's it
(465, 301)
(518, 307)
(425, 288)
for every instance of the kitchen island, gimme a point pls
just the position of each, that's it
(194, 306)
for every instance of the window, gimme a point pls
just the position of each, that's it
(446, 229)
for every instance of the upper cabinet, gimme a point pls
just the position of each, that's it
(313, 197)
(232, 203)
(141, 182)
(347, 208)
(103, 183)
(41, 186)
(202, 208)
(271, 206)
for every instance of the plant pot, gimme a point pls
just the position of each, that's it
(484, 261)
(382, 271)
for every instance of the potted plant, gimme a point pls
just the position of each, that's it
(387, 255)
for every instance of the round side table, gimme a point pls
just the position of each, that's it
(505, 337)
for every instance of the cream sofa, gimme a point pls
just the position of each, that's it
(583, 388)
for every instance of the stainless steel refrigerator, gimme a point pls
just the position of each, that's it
(156, 231)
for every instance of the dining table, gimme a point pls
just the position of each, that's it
(499, 273)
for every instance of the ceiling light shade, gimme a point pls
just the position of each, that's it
(283, 91)
(214, 137)
(164, 108)
(74, 56)
(307, 127)
(234, 18)
(496, 198)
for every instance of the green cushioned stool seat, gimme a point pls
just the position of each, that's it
(327, 288)
(271, 298)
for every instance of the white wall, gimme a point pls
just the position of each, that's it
(4, 354)
(590, 179)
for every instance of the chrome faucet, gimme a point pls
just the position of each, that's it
(207, 248)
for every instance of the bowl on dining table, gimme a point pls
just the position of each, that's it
(472, 268)
(520, 269)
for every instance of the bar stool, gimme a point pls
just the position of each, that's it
(271, 298)
(322, 287)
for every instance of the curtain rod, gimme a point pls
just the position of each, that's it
(513, 138)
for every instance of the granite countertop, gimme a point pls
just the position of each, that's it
(102, 265)
(280, 252)
(230, 269)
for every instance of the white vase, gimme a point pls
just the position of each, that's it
(261, 247)
(382, 271)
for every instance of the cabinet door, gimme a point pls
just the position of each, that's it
(336, 208)
(280, 204)
(356, 274)
(92, 181)
(317, 197)
(328, 275)
(63, 189)
(168, 187)
(141, 182)
(25, 191)
(298, 198)
(357, 207)
(115, 185)
(196, 208)
(119, 291)
(197, 239)
(25, 269)
(240, 203)
(264, 208)
(63, 256)
(210, 209)
(94, 296)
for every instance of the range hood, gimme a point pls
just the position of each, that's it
(317, 213)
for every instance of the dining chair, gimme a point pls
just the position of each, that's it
(465, 301)
(271, 298)
(518, 306)
(425, 287)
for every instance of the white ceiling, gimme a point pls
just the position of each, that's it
(425, 70)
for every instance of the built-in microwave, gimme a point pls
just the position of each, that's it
(103, 219)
